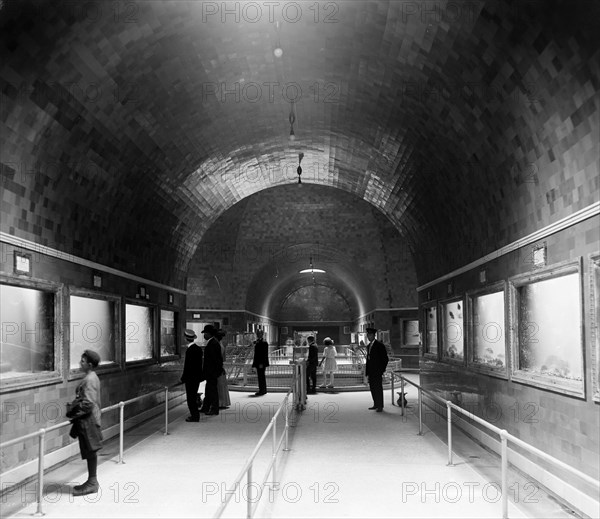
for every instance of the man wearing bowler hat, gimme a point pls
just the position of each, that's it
(192, 374)
(213, 368)
(261, 362)
(377, 360)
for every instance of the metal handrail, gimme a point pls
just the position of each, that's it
(41, 434)
(298, 390)
(505, 437)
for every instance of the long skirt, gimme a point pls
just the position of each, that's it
(224, 400)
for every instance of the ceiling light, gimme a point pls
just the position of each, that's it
(311, 270)
(278, 51)
(299, 169)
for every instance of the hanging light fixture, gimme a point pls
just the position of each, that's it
(299, 168)
(292, 119)
(312, 270)
(277, 51)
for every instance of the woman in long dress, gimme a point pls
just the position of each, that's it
(329, 363)
(224, 400)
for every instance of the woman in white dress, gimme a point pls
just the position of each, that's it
(329, 363)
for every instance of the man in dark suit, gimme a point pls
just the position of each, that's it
(377, 360)
(261, 362)
(311, 365)
(192, 374)
(213, 368)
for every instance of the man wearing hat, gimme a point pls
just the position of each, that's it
(192, 374)
(213, 368)
(261, 362)
(377, 360)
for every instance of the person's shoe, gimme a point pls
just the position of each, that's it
(372, 408)
(212, 412)
(203, 410)
(330, 386)
(89, 487)
(260, 393)
(192, 419)
(79, 487)
(322, 386)
(379, 410)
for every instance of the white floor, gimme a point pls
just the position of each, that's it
(344, 461)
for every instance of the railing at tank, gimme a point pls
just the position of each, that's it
(505, 437)
(41, 434)
(298, 391)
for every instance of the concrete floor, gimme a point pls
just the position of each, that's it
(344, 461)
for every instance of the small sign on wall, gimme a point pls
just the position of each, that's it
(22, 263)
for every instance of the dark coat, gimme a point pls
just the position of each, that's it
(213, 360)
(313, 355)
(85, 427)
(261, 354)
(192, 366)
(377, 359)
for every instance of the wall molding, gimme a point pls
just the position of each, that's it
(49, 251)
(579, 216)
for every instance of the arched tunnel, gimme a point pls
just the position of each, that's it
(192, 158)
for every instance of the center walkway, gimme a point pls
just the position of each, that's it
(344, 461)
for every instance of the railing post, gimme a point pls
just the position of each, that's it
(420, 412)
(41, 449)
(166, 411)
(449, 419)
(287, 425)
(504, 461)
(392, 392)
(274, 449)
(402, 395)
(249, 494)
(121, 427)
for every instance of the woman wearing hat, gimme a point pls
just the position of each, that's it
(85, 413)
(192, 374)
(222, 387)
(213, 368)
(329, 363)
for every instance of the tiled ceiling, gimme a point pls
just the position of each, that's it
(455, 119)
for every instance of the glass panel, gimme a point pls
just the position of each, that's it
(139, 338)
(453, 338)
(410, 333)
(168, 333)
(489, 347)
(431, 329)
(92, 327)
(27, 343)
(596, 328)
(550, 328)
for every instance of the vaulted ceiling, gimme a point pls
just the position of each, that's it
(467, 124)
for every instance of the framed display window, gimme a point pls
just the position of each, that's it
(93, 324)
(487, 344)
(139, 332)
(547, 316)
(31, 339)
(431, 326)
(169, 345)
(409, 330)
(594, 324)
(453, 331)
